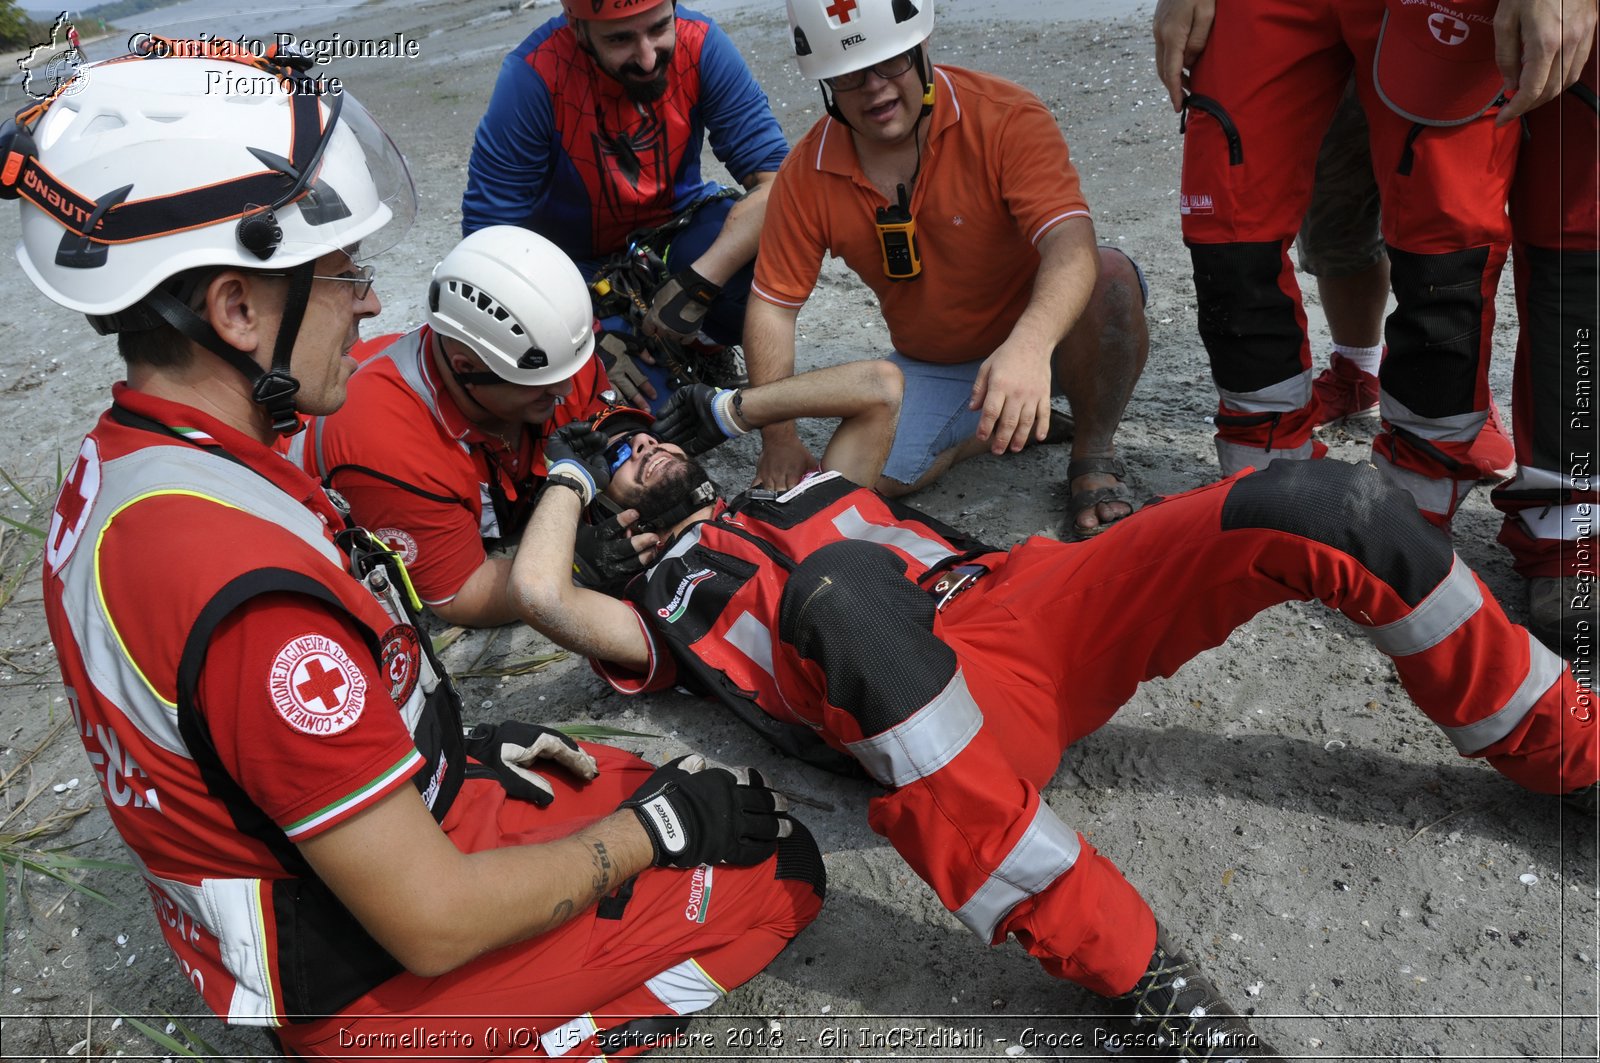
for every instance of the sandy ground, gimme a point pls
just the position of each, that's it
(1285, 810)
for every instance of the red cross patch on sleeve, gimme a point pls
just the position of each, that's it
(316, 687)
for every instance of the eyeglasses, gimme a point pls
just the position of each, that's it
(888, 70)
(618, 453)
(360, 276)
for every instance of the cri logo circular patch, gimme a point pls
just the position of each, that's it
(400, 542)
(399, 652)
(316, 687)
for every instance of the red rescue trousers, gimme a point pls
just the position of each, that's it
(1058, 636)
(1264, 91)
(668, 943)
(1550, 505)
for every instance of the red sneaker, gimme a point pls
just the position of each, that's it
(1492, 454)
(1343, 390)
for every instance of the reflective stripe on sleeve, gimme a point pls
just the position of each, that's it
(1544, 670)
(933, 736)
(569, 1035)
(1046, 851)
(686, 988)
(1445, 609)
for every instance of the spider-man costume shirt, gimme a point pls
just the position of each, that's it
(564, 152)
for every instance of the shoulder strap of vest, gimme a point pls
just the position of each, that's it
(247, 816)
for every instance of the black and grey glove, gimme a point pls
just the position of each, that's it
(604, 557)
(577, 454)
(681, 304)
(617, 351)
(696, 814)
(511, 749)
(699, 417)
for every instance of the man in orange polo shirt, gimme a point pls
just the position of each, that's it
(950, 193)
(440, 448)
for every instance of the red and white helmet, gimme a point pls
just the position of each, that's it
(607, 10)
(518, 301)
(833, 37)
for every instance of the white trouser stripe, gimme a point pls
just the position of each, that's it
(1455, 428)
(1235, 456)
(1281, 397)
(933, 737)
(1451, 604)
(852, 525)
(1560, 523)
(1431, 495)
(567, 1036)
(1544, 670)
(1046, 851)
(685, 988)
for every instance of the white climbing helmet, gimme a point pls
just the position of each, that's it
(518, 301)
(833, 37)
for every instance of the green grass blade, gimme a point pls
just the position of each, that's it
(18, 487)
(37, 533)
(161, 1037)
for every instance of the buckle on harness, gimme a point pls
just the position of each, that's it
(953, 582)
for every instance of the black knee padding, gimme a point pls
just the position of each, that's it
(850, 608)
(1436, 326)
(800, 859)
(1351, 508)
(1247, 323)
(1560, 311)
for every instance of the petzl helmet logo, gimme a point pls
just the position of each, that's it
(53, 63)
(679, 604)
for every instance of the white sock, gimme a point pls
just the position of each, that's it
(1365, 358)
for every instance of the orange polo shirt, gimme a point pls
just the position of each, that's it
(995, 178)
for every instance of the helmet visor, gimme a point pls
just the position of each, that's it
(361, 197)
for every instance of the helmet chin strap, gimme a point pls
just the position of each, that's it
(273, 389)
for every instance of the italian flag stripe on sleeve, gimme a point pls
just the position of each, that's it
(327, 813)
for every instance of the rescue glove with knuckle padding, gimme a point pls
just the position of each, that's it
(696, 814)
(616, 351)
(578, 453)
(699, 417)
(680, 305)
(511, 749)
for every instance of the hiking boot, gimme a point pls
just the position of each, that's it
(1175, 1012)
(1343, 390)
(1560, 609)
(1492, 454)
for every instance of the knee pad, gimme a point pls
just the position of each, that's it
(1353, 509)
(1246, 321)
(850, 608)
(1437, 328)
(800, 860)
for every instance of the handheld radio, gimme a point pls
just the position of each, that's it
(897, 238)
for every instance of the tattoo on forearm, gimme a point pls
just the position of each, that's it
(602, 870)
(561, 913)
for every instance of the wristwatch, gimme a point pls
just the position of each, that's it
(572, 483)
